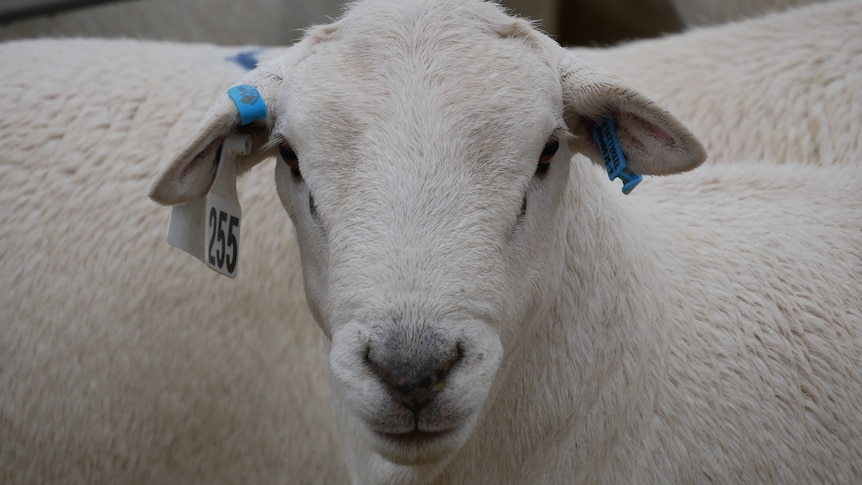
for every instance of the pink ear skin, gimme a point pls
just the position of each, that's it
(191, 172)
(654, 142)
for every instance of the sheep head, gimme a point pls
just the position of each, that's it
(425, 157)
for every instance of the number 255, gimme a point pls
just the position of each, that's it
(219, 244)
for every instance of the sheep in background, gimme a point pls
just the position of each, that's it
(706, 12)
(785, 88)
(495, 311)
(121, 362)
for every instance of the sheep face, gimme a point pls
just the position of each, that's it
(424, 181)
(425, 160)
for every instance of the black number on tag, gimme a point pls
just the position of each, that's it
(222, 217)
(220, 243)
(232, 241)
(213, 219)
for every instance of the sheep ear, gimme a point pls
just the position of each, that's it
(241, 109)
(652, 140)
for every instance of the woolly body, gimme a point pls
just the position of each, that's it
(121, 359)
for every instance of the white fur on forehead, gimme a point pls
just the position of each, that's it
(381, 20)
(479, 63)
(461, 43)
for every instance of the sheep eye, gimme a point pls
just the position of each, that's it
(547, 154)
(289, 157)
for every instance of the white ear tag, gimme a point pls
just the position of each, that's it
(208, 228)
(186, 230)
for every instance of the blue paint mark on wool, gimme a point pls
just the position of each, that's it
(247, 59)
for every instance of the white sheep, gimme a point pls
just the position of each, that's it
(497, 312)
(786, 87)
(706, 12)
(119, 362)
(80, 424)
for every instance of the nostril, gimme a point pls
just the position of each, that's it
(425, 383)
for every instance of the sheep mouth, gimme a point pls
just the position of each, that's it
(415, 437)
(416, 446)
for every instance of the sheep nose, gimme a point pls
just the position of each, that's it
(415, 381)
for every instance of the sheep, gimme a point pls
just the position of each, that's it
(496, 311)
(706, 12)
(783, 88)
(120, 363)
(88, 455)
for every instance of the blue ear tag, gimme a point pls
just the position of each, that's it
(605, 134)
(249, 102)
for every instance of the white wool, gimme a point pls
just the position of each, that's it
(786, 87)
(494, 314)
(122, 360)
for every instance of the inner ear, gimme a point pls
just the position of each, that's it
(198, 174)
(657, 147)
(652, 140)
(191, 173)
